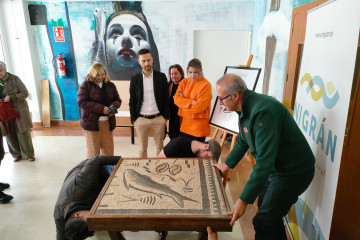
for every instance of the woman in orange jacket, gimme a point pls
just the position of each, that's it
(193, 97)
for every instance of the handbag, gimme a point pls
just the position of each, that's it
(7, 112)
(7, 115)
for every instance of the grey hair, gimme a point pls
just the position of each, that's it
(234, 83)
(214, 148)
(3, 66)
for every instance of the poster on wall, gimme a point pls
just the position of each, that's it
(228, 120)
(59, 34)
(321, 109)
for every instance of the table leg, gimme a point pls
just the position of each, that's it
(132, 135)
(163, 235)
(202, 236)
(116, 235)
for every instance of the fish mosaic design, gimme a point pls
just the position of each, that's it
(143, 183)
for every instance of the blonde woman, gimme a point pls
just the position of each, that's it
(193, 97)
(98, 98)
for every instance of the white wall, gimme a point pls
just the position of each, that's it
(19, 49)
(218, 49)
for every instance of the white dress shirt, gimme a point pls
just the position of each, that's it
(149, 106)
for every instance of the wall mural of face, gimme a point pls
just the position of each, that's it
(126, 34)
(119, 37)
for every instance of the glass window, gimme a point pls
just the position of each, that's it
(2, 56)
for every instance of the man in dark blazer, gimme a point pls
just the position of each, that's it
(149, 103)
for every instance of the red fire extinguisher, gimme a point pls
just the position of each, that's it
(61, 65)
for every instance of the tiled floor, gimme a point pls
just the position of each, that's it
(35, 186)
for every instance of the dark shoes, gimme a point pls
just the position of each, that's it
(4, 186)
(4, 198)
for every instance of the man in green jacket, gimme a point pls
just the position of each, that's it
(284, 161)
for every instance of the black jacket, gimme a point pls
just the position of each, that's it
(81, 186)
(161, 92)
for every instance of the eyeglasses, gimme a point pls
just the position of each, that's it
(222, 99)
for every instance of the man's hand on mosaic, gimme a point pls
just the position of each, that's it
(211, 235)
(222, 168)
(237, 211)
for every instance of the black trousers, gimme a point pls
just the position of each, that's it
(275, 201)
(2, 152)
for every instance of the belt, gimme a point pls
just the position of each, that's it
(150, 116)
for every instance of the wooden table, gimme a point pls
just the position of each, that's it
(161, 195)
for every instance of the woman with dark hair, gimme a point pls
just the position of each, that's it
(176, 74)
(99, 99)
(193, 97)
(126, 32)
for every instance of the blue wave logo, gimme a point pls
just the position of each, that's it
(316, 95)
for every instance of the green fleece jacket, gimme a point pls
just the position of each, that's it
(274, 139)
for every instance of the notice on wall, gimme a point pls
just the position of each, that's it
(321, 108)
(59, 34)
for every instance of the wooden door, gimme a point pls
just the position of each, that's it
(346, 216)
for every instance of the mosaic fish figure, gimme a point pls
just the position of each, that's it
(135, 180)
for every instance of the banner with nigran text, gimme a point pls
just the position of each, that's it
(321, 108)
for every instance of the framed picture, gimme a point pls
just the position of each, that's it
(228, 120)
(249, 75)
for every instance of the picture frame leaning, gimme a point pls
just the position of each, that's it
(228, 120)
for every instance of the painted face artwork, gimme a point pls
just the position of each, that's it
(175, 75)
(194, 73)
(126, 35)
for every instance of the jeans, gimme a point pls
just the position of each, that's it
(275, 201)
